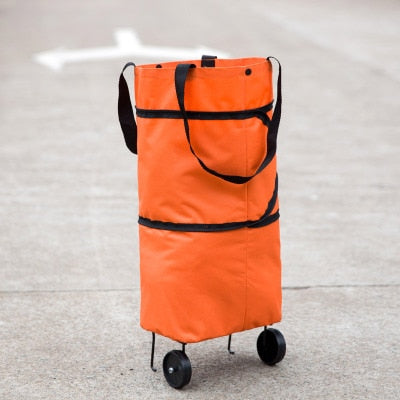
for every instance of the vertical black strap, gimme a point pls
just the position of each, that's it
(276, 116)
(181, 73)
(125, 113)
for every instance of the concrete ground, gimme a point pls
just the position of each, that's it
(69, 283)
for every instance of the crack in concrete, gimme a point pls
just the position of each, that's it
(344, 286)
(133, 289)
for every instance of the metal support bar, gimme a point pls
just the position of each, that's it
(229, 345)
(152, 352)
(183, 348)
(265, 337)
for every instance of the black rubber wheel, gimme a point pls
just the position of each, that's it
(271, 346)
(177, 369)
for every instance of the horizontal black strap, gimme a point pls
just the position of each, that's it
(259, 112)
(266, 219)
(228, 226)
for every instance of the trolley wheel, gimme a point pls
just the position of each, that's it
(271, 346)
(177, 369)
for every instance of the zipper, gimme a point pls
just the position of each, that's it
(259, 112)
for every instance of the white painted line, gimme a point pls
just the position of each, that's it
(127, 45)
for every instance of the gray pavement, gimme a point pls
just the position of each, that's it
(69, 281)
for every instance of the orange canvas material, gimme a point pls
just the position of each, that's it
(209, 243)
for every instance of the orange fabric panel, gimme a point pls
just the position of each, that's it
(197, 286)
(226, 87)
(173, 186)
(263, 285)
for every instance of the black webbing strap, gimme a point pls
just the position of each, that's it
(125, 113)
(181, 73)
(208, 61)
(266, 219)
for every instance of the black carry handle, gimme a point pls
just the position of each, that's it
(181, 73)
(125, 112)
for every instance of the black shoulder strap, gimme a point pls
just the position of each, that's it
(181, 73)
(125, 113)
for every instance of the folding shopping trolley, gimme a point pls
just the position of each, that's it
(208, 202)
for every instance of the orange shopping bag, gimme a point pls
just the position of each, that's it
(208, 195)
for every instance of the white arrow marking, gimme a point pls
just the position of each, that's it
(127, 45)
